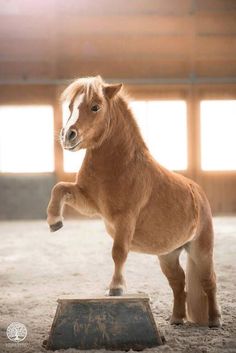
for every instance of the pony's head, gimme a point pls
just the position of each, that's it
(88, 101)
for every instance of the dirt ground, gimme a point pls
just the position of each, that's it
(37, 267)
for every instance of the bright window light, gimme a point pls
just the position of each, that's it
(218, 135)
(72, 160)
(26, 139)
(164, 127)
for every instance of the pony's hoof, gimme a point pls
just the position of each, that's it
(215, 323)
(176, 321)
(44, 344)
(115, 292)
(56, 226)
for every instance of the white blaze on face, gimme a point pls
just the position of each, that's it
(75, 112)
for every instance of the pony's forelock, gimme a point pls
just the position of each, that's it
(87, 85)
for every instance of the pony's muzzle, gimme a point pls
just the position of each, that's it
(71, 135)
(70, 139)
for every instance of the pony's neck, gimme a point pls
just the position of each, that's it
(122, 144)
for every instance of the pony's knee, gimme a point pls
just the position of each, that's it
(175, 275)
(177, 285)
(119, 253)
(57, 188)
(60, 189)
(209, 285)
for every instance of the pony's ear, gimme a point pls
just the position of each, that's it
(99, 78)
(111, 90)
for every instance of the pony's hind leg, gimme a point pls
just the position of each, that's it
(200, 253)
(175, 274)
(202, 307)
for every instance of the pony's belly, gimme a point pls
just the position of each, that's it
(145, 243)
(155, 240)
(145, 249)
(158, 243)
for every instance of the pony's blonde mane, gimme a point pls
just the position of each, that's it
(87, 85)
(90, 86)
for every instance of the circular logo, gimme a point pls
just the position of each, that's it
(16, 332)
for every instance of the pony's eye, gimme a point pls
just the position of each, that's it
(95, 108)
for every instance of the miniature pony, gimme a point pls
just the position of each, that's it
(145, 207)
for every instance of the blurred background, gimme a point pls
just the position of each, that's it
(177, 60)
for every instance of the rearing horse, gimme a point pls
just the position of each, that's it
(145, 207)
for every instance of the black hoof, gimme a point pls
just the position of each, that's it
(163, 339)
(216, 323)
(45, 343)
(115, 292)
(56, 226)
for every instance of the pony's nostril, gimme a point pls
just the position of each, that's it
(71, 135)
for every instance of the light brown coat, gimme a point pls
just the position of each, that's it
(145, 207)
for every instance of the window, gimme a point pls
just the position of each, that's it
(26, 139)
(218, 131)
(164, 127)
(72, 160)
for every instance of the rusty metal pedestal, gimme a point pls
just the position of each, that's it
(114, 323)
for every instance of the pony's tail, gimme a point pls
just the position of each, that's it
(197, 303)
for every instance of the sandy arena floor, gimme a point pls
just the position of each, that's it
(37, 267)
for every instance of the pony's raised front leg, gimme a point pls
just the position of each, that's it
(62, 193)
(120, 250)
